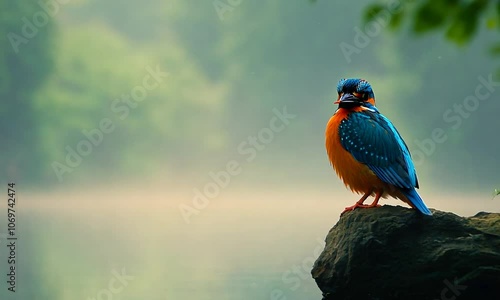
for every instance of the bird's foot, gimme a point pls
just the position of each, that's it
(356, 205)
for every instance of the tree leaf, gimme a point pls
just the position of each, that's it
(430, 16)
(464, 24)
(371, 12)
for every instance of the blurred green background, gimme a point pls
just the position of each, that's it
(114, 114)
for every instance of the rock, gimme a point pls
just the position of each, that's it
(396, 253)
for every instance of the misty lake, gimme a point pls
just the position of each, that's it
(126, 243)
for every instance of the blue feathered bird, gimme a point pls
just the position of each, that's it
(366, 150)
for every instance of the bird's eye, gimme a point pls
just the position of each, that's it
(359, 95)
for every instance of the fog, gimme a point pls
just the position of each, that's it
(182, 143)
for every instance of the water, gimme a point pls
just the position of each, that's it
(72, 244)
(246, 244)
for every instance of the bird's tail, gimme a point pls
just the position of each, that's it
(415, 199)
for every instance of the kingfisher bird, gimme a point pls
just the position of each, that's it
(366, 150)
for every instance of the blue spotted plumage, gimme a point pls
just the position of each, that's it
(373, 140)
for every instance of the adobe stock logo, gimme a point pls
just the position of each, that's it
(31, 26)
(296, 274)
(116, 285)
(455, 117)
(451, 291)
(121, 108)
(363, 37)
(222, 7)
(221, 179)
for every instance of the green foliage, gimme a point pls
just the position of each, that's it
(464, 24)
(375, 10)
(458, 20)
(496, 192)
(432, 14)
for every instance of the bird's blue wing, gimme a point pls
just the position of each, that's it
(372, 140)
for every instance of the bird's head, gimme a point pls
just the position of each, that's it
(354, 92)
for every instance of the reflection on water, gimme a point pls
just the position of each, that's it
(130, 245)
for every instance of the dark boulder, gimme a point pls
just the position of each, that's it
(396, 253)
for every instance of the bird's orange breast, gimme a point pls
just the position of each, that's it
(357, 176)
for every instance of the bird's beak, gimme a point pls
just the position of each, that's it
(347, 98)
